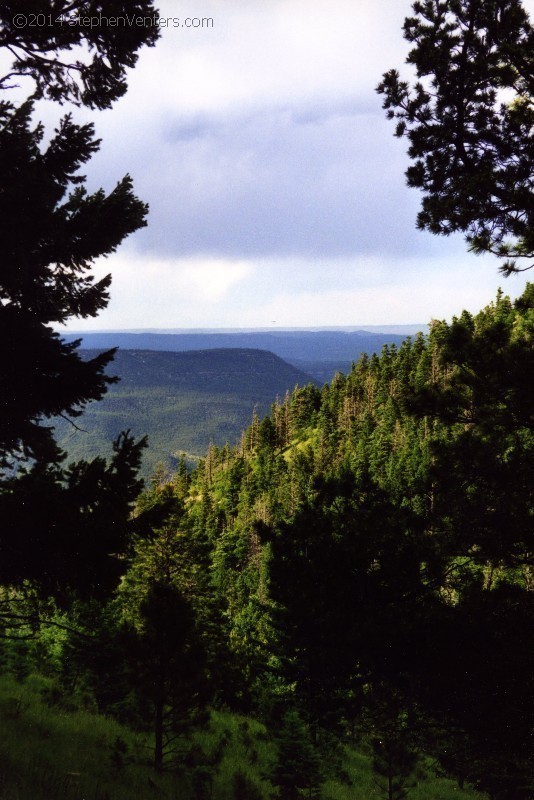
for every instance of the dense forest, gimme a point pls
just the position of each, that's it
(337, 606)
(356, 571)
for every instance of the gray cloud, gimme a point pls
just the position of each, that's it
(309, 180)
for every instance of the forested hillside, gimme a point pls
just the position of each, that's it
(356, 572)
(367, 552)
(181, 401)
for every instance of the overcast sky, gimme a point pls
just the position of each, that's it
(276, 187)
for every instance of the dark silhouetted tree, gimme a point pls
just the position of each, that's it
(469, 119)
(169, 668)
(69, 59)
(296, 771)
(51, 232)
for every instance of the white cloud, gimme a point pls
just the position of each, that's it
(261, 53)
(417, 291)
(164, 292)
(212, 293)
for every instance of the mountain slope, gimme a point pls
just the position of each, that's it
(182, 401)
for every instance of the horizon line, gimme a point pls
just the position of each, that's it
(261, 329)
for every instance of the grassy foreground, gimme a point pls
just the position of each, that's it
(53, 752)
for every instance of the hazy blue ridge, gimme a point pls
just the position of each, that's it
(294, 346)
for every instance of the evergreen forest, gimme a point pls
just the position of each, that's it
(338, 604)
(353, 576)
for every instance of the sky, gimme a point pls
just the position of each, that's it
(276, 187)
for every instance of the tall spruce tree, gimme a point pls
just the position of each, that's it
(296, 771)
(51, 231)
(166, 667)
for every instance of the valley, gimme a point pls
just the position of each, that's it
(186, 391)
(181, 401)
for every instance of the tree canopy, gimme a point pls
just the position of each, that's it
(68, 59)
(469, 119)
(373, 540)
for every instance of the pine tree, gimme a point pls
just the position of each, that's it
(43, 53)
(471, 151)
(296, 771)
(169, 668)
(51, 232)
(393, 762)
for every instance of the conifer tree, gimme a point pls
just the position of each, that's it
(168, 667)
(469, 120)
(296, 771)
(393, 763)
(43, 53)
(51, 232)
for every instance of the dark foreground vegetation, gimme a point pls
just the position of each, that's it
(354, 574)
(65, 750)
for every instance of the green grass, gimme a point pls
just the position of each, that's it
(363, 784)
(48, 753)
(54, 753)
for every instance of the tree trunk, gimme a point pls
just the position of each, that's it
(158, 736)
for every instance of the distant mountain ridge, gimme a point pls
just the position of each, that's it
(246, 370)
(403, 330)
(307, 350)
(182, 401)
